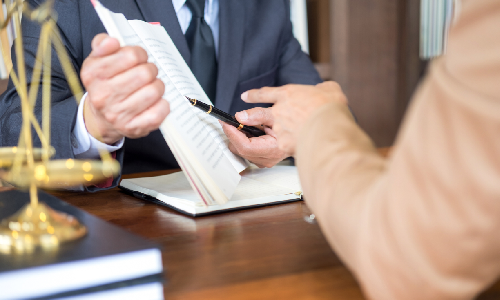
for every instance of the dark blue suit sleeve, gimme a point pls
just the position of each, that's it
(295, 66)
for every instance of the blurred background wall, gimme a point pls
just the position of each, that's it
(371, 47)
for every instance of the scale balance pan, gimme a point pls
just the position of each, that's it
(8, 155)
(62, 173)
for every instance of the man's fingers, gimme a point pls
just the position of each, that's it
(233, 149)
(263, 95)
(130, 81)
(256, 116)
(113, 64)
(235, 136)
(136, 103)
(103, 45)
(98, 39)
(148, 120)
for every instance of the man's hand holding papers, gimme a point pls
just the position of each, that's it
(124, 95)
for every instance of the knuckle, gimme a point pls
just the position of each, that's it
(152, 93)
(157, 89)
(287, 91)
(132, 132)
(141, 54)
(111, 117)
(140, 132)
(264, 113)
(166, 108)
(245, 150)
(144, 74)
(148, 92)
(153, 70)
(131, 55)
(86, 75)
(156, 120)
(268, 164)
(97, 102)
(160, 86)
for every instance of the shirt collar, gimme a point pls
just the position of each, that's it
(178, 4)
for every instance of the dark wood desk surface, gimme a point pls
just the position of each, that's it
(262, 253)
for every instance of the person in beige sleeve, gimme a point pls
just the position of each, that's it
(424, 223)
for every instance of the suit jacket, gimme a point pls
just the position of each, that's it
(424, 223)
(256, 49)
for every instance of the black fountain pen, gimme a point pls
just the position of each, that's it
(223, 116)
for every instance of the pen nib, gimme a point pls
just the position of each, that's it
(193, 101)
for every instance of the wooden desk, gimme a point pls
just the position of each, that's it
(263, 253)
(260, 253)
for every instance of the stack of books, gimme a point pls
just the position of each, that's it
(107, 263)
(435, 20)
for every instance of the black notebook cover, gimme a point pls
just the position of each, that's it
(102, 242)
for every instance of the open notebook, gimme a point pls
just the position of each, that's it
(195, 138)
(258, 187)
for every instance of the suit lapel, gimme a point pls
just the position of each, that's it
(163, 11)
(231, 31)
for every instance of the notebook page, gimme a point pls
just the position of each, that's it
(251, 189)
(176, 185)
(173, 185)
(284, 176)
(171, 61)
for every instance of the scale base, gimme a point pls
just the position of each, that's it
(38, 226)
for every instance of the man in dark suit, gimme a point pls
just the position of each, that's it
(254, 47)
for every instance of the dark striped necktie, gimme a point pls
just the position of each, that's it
(201, 43)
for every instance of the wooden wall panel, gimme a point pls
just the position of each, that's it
(318, 22)
(372, 55)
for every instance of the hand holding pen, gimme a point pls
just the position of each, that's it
(225, 117)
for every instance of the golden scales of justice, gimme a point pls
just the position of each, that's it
(29, 168)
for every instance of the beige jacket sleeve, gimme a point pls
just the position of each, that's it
(425, 223)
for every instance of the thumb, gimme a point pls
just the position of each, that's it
(256, 116)
(236, 137)
(103, 45)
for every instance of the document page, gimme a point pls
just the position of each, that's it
(200, 136)
(196, 140)
(172, 63)
(176, 185)
(284, 176)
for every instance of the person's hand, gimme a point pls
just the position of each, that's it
(124, 97)
(293, 106)
(263, 151)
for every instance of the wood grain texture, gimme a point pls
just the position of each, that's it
(318, 23)
(262, 253)
(374, 57)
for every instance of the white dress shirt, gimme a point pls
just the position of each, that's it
(85, 145)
